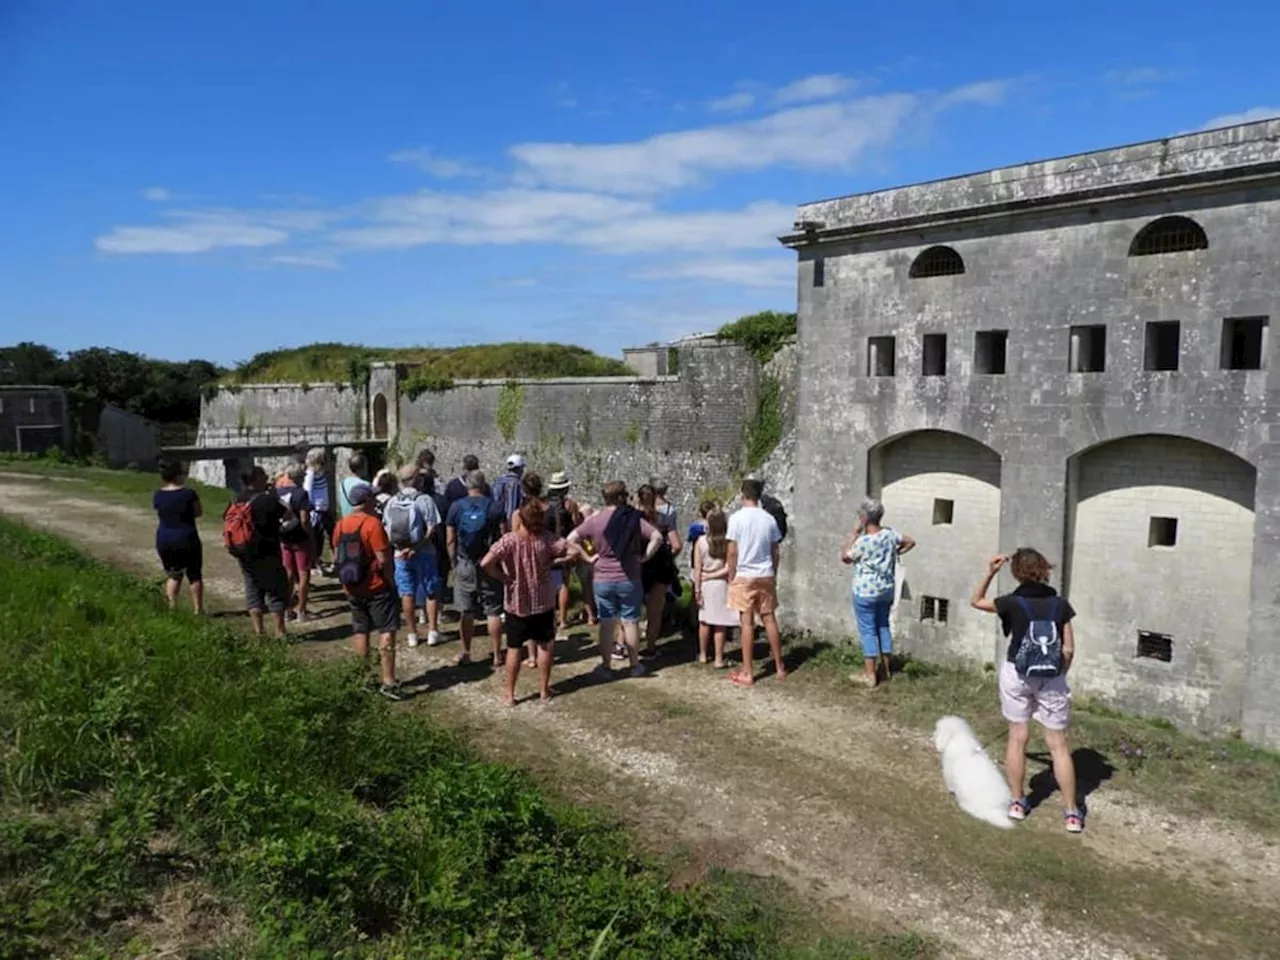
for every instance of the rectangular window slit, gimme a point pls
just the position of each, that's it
(1155, 646)
(935, 355)
(819, 272)
(880, 356)
(1088, 349)
(933, 608)
(1163, 532)
(989, 351)
(943, 511)
(1244, 343)
(1163, 339)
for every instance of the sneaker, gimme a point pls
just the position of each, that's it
(1019, 809)
(411, 640)
(620, 652)
(649, 654)
(422, 616)
(639, 670)
(393, 691)
(562, 635)
(434, 639)
(1073, 820)
(306, 616)
(601, 672)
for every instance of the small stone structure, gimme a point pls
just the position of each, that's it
(1073, 354)
(126, 439)
(34, 419)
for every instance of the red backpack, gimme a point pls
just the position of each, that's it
(238, 534)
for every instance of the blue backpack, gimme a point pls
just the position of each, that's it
(1039, 653)
(475, 526)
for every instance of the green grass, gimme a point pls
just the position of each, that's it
(762, 334)
(132, 487)
(143, 750)
(436, 366)
(1183, 772)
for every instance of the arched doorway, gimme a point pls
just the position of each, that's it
(380, 417)
(1159, 563)
(944, 490)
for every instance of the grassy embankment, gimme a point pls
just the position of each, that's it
(341, 362)
(169, 785)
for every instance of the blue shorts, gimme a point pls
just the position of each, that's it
(418, 576)
(619, 601)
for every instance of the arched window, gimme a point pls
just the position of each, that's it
(937, 262)
(380, 417)
(1168, 235)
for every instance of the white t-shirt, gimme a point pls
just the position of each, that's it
(755, 532)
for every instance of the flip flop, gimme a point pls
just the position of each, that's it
(740, 679)
(462, 659)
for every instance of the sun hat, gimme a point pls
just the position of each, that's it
(559, 481)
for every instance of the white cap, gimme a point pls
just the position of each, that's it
(515, 460)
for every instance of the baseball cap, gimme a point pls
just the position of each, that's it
(515, 460)
(360, 493)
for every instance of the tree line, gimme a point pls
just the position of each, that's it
(163, 390)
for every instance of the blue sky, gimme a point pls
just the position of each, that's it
(216, 179)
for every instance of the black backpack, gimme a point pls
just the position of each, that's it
(349, 560)
(773, 506)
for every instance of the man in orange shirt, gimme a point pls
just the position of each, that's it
(363, 563)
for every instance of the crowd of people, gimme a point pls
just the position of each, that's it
(510, 549)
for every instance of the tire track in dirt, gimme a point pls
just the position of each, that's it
(767, 821)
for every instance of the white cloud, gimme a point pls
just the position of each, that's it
(515, 282)
(820, 86)
(986, 93)
(774, 272)
(157, 194)
(1245, 116)
(581, 219)
(426, 160)
(827, 136)
(195, 233)
(318, 261)
(732, 103)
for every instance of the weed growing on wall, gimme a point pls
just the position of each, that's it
(765, 429)
(632, 434)
(359, 367)
(762, 334)
(510, 406)
(424, 382)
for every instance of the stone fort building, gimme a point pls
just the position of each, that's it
(1073, 354)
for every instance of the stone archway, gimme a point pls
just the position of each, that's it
(943, 489)
(380, 417)
(1159, 566)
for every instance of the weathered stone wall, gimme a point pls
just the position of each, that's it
(689, 427)
(126, 438)
(1036, 271)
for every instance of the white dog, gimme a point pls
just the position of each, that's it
(977, 783)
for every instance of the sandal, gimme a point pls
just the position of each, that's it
(738, 678)
(1073, 820)
(1019, 809)
(462, 659)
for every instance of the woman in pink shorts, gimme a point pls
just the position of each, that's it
(1033, 676)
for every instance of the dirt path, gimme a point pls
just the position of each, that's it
(789, 782)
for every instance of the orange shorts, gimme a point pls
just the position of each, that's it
(753, 595)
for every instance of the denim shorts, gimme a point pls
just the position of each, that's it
(619, 601)
(418, 576)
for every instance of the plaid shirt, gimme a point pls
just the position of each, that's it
(526, 563)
